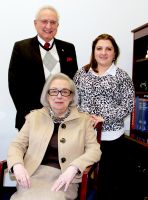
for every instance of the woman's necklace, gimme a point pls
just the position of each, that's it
(58, 119)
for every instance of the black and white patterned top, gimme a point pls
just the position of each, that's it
(110, 96)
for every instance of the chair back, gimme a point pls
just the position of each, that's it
(88, 186)
(99, 130)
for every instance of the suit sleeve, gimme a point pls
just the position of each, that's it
(14, 76)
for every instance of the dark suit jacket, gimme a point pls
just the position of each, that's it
(26, 74)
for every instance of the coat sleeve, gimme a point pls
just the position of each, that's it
(92, 152)
(18, 146)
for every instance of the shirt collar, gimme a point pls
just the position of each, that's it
(111, 70)
(43, 42)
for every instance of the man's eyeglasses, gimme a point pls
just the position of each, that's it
(63, 92)
(51, 22)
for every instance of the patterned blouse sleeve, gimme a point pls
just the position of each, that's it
(125, 107)
(76, 78)
(77, 81)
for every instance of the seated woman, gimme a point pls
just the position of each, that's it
(54, 146)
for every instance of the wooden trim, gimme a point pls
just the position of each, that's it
(137, 141)
(140, 31)
(140, 27)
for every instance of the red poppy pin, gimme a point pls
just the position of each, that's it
(69, 59)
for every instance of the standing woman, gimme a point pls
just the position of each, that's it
(107, 91)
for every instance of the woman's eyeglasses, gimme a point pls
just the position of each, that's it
(63, 92)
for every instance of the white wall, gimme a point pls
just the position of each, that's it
(80, 22)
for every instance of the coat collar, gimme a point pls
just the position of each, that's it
(73, 115)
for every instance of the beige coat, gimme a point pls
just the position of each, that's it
(80, 147)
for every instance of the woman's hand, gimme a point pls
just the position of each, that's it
(95, 119)
(21, 175)
(65, 179)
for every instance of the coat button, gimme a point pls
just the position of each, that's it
(63, 160)
(62, 140)
(63, 125)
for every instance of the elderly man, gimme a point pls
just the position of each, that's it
(34, 59)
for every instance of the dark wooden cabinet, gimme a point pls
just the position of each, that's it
(139, 117)
(137, 142)
(140, 59)
(137, 169)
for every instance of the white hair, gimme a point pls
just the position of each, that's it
(47, 8)
(61, 76)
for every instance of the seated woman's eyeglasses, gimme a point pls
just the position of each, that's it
(63, 92)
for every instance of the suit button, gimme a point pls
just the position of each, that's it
(63, 160)
(63, 125)
(62, 140)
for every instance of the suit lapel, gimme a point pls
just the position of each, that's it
(62, 55)
(60, 48)
(36, 58)
(35, 50)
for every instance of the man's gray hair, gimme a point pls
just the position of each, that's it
(47, 8)
(61, 76)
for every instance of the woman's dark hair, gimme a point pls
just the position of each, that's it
(93, 63)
